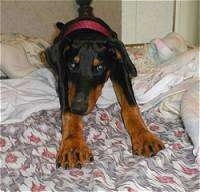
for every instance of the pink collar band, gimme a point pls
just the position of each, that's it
(88, 24)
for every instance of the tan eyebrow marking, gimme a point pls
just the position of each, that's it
(96, 62)
(76, 59)
(66, 48)
(118, 55)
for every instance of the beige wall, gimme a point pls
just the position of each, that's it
(137, 20)
(187, 20)
(37, 17)
(144, 20)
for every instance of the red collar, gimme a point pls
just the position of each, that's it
(88, 24)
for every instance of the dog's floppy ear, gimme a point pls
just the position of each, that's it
(54, 57)
(60, 25)
(123, 56)
(123, 69)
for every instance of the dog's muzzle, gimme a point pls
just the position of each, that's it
(79, 104)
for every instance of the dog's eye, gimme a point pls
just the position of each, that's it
(99, 68)
(73, 66)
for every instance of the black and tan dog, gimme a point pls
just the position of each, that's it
(84, 55)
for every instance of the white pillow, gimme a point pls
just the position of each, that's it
(20, 55)
(191, 117)
(14, 62)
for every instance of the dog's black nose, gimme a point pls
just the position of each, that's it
(79, 104)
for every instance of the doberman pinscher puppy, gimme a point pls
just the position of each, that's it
(85, 54)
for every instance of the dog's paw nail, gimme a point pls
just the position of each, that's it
(58, 165)
(91, 158)
(161, 147)
(151, 148)
(78, 165)
(152, 154)
(66, 166)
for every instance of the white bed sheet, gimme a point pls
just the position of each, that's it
(23, 96)
(37, 91)
(147, 87)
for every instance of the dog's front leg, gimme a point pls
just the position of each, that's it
(73, 150)
(143, 141)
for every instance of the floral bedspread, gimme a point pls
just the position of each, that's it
(28, 151)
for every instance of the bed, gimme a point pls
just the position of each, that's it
(30, 124)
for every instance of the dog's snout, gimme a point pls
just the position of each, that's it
(79, 104)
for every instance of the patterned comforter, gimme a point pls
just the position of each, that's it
(28, 151)
(29, 144)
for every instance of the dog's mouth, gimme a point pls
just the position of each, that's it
(78, 112)
(79, 109)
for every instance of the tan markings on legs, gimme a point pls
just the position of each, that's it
(93, 96)
(95, 93)
(71, 92)
(143, 141)
(130, 114)
(72, 125)
(73, 151)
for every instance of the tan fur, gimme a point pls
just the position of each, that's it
(71, 93)
(73, 151)
(143, 141)
(96, 62)
(77, 59)
(93, 96)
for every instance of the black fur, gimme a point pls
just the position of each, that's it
(58, 56)
(55, 60)
(123, 70)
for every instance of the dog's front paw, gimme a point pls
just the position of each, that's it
(146, 144)
(72, 153)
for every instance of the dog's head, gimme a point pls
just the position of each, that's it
(83, 65)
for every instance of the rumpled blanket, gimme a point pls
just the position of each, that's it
(148, 86)
(190, 115)
(28, 152)
(29, 140)
(32, 93)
